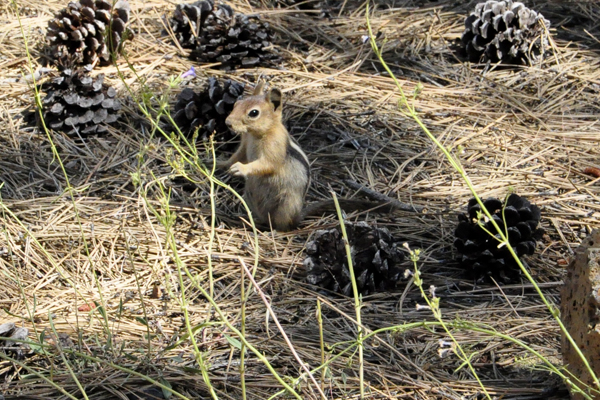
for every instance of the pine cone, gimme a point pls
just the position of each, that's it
(76, 102)
(375, 255)
(503, 30)
(217, 34)
(479, 252)
(207, 109)
(88, 32)
(187, 21)
(15, 347)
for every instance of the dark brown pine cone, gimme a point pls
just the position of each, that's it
(76, 102)
(479, 252)
(88, 32)
(216, 34)
(375, 254)
(207, 109)
(504, 31)
(187, 21)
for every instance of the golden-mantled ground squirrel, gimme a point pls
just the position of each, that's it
(276, 169)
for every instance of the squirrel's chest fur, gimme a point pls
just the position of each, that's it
(278, 196)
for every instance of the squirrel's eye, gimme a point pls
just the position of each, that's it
(253, 113)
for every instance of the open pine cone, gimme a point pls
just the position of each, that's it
(375, 254)
(503, 31)
(218, 35)
(88, 32)
(187, 21)
(479, 252)
(207, 109)
(76, 102)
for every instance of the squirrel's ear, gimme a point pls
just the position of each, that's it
(274, 97)
(258, 89)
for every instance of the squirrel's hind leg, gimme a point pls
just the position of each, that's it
(288, 215)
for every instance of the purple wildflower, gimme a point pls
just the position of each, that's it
(190, 72)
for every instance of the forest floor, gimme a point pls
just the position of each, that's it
(95, 232)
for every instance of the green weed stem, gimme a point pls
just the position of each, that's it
(321, 341)
(357, 299)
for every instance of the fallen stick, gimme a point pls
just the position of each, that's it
(383, 198)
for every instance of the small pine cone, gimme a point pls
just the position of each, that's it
(187, 21)
(88, 32)
(479, 252)
(76, 102)
(15, 346)
(503, 31)
(207, 109)
(375, 255)
(222, 36)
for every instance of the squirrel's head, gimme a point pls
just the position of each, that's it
(257, 114)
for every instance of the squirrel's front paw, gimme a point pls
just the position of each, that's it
(238, 169)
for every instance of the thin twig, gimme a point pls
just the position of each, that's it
(383, 198)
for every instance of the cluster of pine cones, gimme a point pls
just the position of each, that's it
(214, 33)
(82, 35)
(90, 33)
(504, 31)
(377, 258)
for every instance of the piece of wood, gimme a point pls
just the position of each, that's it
(580, 311)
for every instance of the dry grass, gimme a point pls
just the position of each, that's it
(532, 129)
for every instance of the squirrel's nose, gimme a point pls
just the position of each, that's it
(228, 122)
